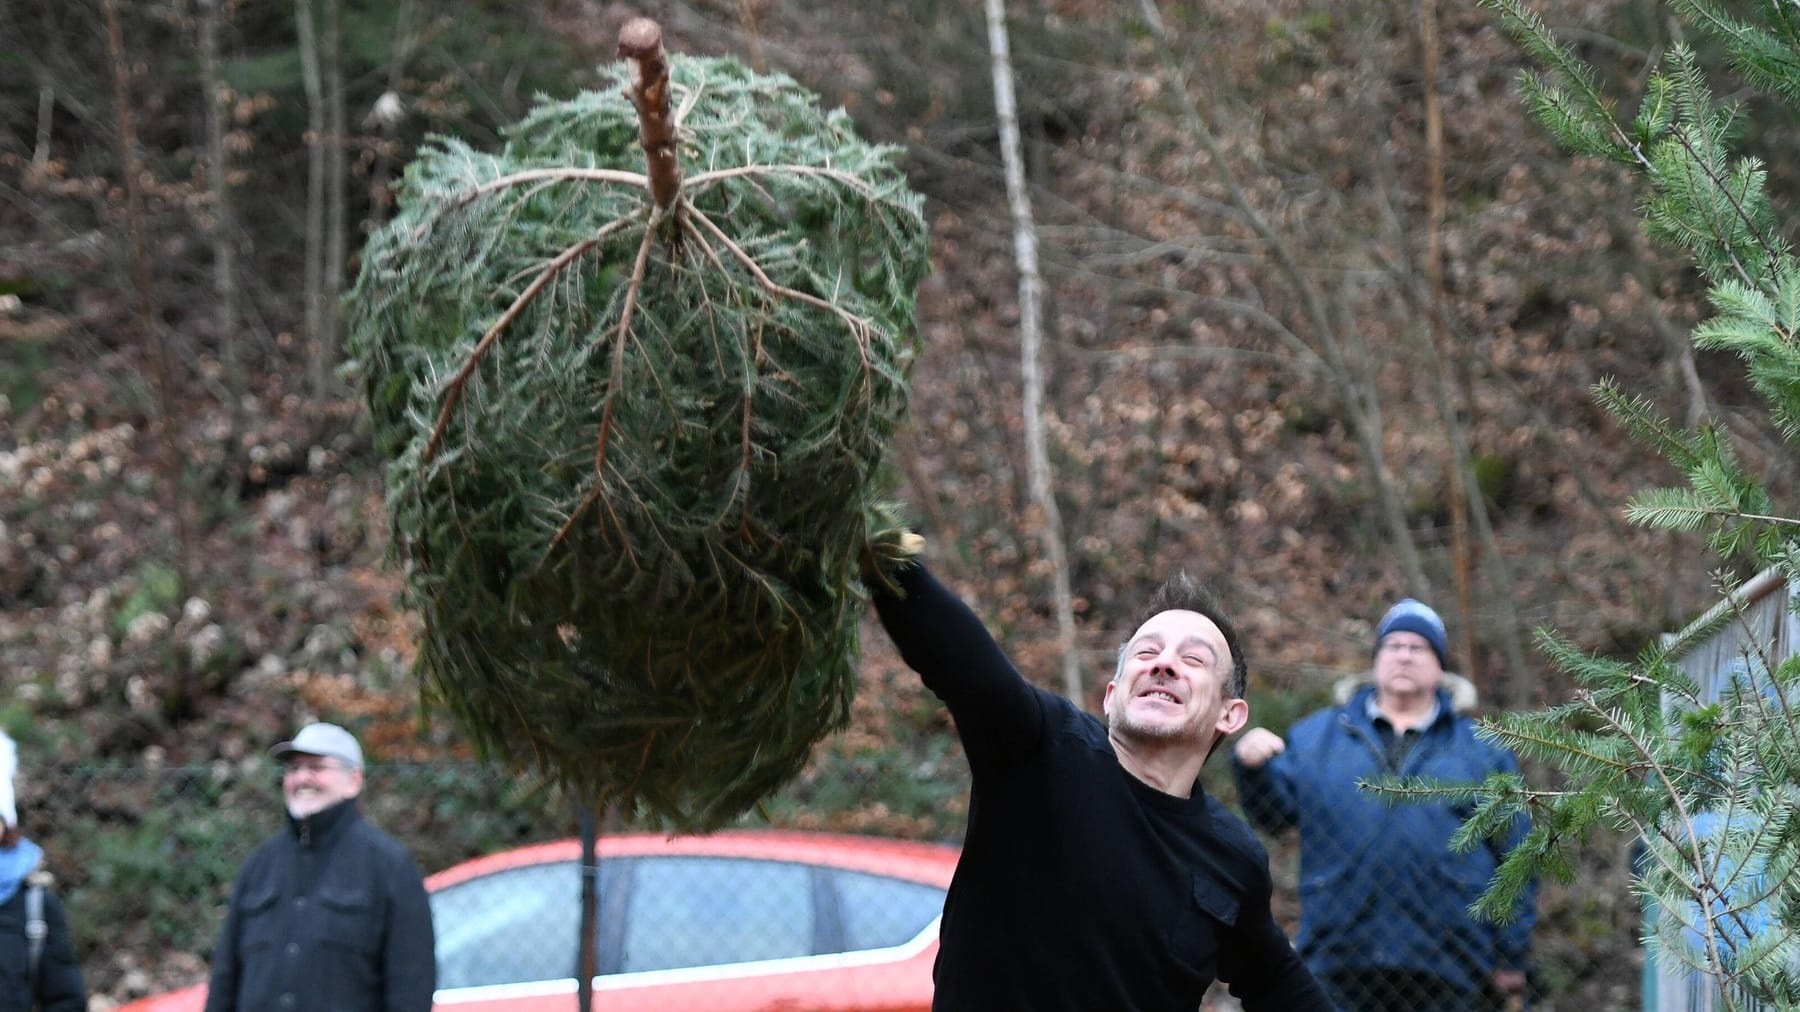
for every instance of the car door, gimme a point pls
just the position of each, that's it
(720, 934)
(689, 933)
(506, 941)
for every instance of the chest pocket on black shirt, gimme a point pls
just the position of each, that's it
(1200, 926)
(349, 918)
(260, 925)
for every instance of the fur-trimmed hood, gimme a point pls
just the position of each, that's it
(1463, 696)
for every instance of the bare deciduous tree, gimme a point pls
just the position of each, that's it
(1332, 340)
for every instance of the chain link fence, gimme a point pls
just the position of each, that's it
(144, 859)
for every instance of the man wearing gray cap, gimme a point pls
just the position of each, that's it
(330, 913)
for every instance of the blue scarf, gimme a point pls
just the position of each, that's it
(16, 862)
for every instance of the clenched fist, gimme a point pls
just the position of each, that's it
(1257, 747)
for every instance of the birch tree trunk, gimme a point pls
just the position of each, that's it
(1030, 345)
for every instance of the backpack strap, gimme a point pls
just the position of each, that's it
(36, 928)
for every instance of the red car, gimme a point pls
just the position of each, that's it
(729, 922)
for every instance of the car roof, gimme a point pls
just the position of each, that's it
(929, 863)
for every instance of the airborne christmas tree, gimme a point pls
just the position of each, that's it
(635, 421)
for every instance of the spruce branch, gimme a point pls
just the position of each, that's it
(618, 338)
(1581, 116)
(454, 390)
(857, 327)
(855, 184)
(615, 177)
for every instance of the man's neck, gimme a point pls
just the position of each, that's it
(1171, 767)
(1406, 711)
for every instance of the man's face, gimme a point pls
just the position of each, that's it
(1171, 683)
(1405, 665)
(313, 783)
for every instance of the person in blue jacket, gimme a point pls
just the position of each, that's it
(1384, 901)
(38, 970)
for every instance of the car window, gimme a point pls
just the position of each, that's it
(703, 911)
(508, 927)
(879, 911)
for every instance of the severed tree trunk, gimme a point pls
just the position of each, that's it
(313, 296)
(640, 41)
(1030, 345)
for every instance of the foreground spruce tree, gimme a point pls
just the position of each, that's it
(1708, 785)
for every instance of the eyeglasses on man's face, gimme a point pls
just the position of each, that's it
(1402, 647)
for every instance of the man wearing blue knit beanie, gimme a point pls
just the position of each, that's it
(1384, 922)
(1413, 617)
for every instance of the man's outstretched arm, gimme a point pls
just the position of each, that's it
(946, 643)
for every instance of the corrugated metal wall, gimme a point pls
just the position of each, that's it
(1768, 623)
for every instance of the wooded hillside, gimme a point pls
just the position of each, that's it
(1323, 309)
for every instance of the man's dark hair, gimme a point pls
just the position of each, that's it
(1179, 593)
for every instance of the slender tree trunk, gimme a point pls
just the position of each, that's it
(587, 962)
(318, 360)
(1440, 339)
(1518, 682)
(40, 154)
(174, 461)
(389, 111)
(223, 232)
(337, 213)
(1030, 346)
(750, 16)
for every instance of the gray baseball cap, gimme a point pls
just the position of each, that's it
(322, 739)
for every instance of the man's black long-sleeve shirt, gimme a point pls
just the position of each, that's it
(1080, 887)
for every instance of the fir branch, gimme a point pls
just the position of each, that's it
(857, 326)
(1583, 119)
(1678, 509)
(541, 176)
(454, 391)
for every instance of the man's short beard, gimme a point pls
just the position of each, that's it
(1120, 723)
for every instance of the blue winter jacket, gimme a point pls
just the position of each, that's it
(1379, 886)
